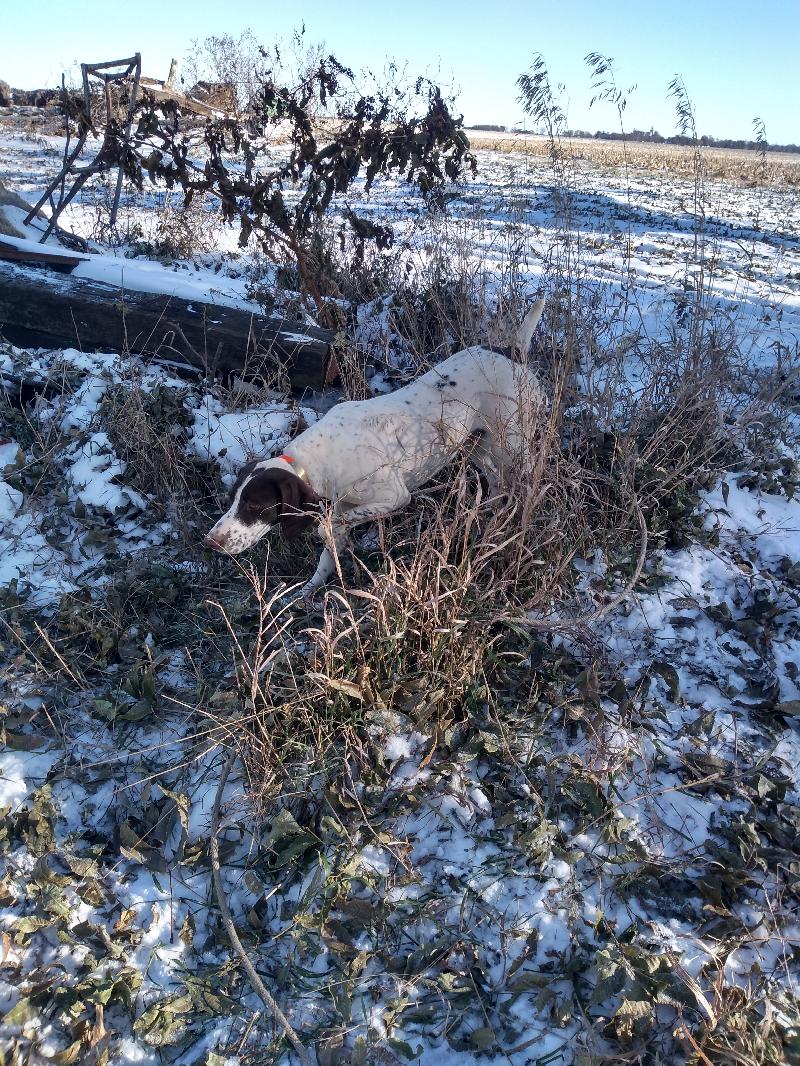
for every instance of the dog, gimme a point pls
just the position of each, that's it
(365, 457)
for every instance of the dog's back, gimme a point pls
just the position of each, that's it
(418, 429)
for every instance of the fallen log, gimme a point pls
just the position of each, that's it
(42, 308)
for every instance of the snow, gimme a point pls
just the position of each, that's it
(22, 772)
(11, 456)
(232, 438)
(94, 471)
(766, 524)
(140, 275)
(10, 501)
(153, 277)
(401, 746)
(27, 559)
(375, 860)
(88, 400)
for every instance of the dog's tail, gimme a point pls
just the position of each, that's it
(524, 334)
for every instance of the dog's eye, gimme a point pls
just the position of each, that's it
(254, 510)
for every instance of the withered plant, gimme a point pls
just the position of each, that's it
(336, 136)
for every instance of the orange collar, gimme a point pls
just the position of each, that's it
(297, 469)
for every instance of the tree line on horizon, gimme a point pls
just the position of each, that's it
(652, 136)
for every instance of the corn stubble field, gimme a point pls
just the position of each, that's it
(729, 164)
(524, 789)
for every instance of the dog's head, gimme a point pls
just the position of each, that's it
(266, 494)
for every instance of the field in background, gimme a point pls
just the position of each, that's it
(751, 168)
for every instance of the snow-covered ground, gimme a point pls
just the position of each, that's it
(585, 874)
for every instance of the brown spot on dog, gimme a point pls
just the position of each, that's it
(276, 497)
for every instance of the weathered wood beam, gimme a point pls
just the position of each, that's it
(38, 306)
(41, 255)
(162, 91)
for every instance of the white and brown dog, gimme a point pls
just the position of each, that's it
(366, 457)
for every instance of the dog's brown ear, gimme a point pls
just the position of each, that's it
(298, 506)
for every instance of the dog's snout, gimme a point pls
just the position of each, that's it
(216, 541)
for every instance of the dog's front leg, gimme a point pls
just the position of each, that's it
(343, 519)
(333, 534)
(325, 569)
(482, 456)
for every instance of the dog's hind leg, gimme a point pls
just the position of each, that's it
(483, 457)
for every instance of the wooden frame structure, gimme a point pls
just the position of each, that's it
(111, 72)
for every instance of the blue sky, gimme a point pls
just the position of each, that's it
(738, 58)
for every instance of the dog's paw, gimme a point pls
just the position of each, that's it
(306, 594)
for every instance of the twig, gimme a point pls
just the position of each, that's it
(259, 986)
(62, 662)
(637, 573)
(576, 623)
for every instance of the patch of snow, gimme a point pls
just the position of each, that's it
(92, 471)
(21, 772)
(27, 558)
(769, 524)
(12, 456)
(11, 500)
(232, 438)
(399, 746)
(376, 860)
